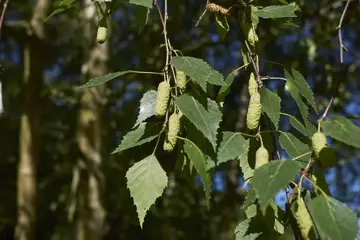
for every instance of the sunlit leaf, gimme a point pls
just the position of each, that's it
(199, 161)
(270, 103)
(144, 3)
(198, 70)
(147, 106)
(333, 219)
(144, 133)
(103, 79)
(205, 118)
(270, 178)
(276, 11)
(146, 181)
(294, 148)
(232, 146)
(343, 130)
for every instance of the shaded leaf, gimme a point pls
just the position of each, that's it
(198, 70)
(199, 161)
(294, 92)
(206, 119)
(241, 230)
(232, 146)
(62, 6)
(142, 17)
(144, 3)
(142, 134)
(299, 81)
(225, 89)
(222, 25)
(103, 79)
(294, 148)
(333, 219)
(270, 103)
(146, 181)
(273, 217)
(147, 106)
(343, 130)
(250, 198)
(306, 131)
(319, 179)
(270, 178)
(276, 11)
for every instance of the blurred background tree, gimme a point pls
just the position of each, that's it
(58, 178)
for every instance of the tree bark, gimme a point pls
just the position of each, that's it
(30, 122)
(90, 219)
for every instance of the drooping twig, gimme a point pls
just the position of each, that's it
(4, 7)
(164, 17)
(342, 48)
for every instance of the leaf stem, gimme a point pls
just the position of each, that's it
(144, 72)
(272, 78)
(301, 156)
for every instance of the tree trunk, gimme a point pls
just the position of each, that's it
(30, 122)
(90, 220)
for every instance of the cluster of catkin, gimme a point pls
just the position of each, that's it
(162, 106)
(253, 119)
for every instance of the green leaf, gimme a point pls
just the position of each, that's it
(270, 178)
(147, 106)
(294, 92)
(222, 25)
(232, 146)
(62, 6)
(333, 219)
(103, 79)
(299, 81)
(146, 181)
(241, 230)
(199, 161)
(308, 131)
(206, 119)
(142, 17)
(142, 134)
(276, 11)
(246, 169)
(250, 198)
(270, 103)
(294, 147)
(144, 3)
(225, 89)
(343, 130)
(198, 70)
(319, 179)
(273, 217)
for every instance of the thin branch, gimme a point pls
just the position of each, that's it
(342, 48)
(272, 78)
(5, 4)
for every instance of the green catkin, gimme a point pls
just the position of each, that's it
(162, 99)
(261, 157)
(319, 142)
(172, 133)
(181, 80)
(101, 34)
(254, 112)
(253, 85)
(325, 155)
(303, 219)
